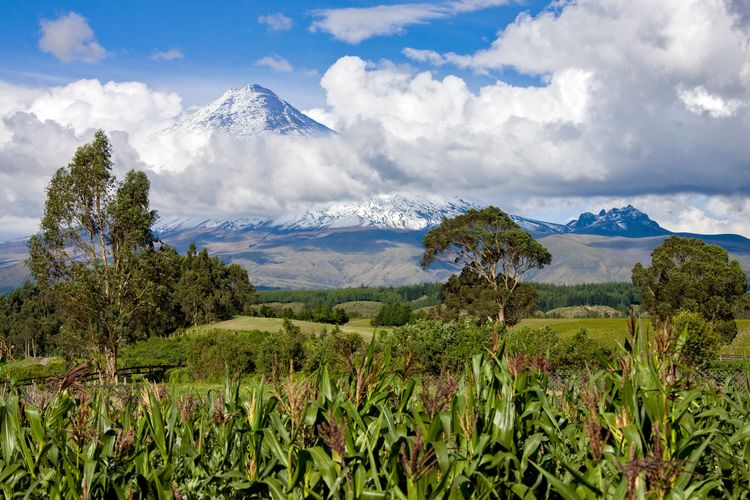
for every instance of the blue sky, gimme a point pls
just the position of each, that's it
(221, 42)
(545, 108)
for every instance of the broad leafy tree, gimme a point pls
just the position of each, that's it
(687, 274)
(469, 293)
(92, 234)
(489, 244)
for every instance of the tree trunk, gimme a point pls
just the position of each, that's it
(110, 365)
(501, 314)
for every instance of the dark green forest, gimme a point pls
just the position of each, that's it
(617, 295)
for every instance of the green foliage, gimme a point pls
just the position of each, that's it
(468, 293)
(691, 275)
(393, 315)
(33, 368)
(540, 343)
(334, 349)
(617, 295)
(636, 430)
(581, 352)
(701, 342)
(174, 350)
(488, 244)
(422, 295)
(431, 346)
(213, 352)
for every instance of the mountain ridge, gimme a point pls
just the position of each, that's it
(378, 242)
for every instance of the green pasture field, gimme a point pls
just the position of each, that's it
(361, 308)
(611, 331)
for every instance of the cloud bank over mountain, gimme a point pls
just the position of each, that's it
(638, 102)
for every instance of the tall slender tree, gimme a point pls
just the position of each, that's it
(88, 249)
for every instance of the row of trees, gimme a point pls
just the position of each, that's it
(423, 294)
(321, 314)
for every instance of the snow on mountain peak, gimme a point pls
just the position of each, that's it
(251, 111)
(393, 211)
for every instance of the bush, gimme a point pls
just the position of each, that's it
(432, 345)
(174, 350)
(287, 347)
(701, 341)
(331, 348)
(30, 368)
(544, 342)
(210, 353)
(581, 352)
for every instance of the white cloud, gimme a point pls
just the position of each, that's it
(70, 38)
(276, 63)
(699, 100)
(131, 107)
(355, 24)
(167, 55)
(276, 22)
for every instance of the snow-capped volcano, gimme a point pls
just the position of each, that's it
(251, 111)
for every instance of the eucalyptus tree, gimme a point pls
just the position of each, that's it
(90, 248)
(688, 274)
(490, 245)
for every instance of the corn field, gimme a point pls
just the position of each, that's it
(641, 429)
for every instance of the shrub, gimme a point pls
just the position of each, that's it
(30, 368)
(581, 352)
(541, 343)
(332, 348)
(174, 350)
(432, 345)
(210, 353)
(701, 340)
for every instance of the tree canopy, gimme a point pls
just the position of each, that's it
(489, 244)
(88, 248)
(688, 274)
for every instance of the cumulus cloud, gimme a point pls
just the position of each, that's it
(276, 63)
(167, 55)
(70, 38)
(355, 24)
(276, 22)
(631, 109)
(660, 93)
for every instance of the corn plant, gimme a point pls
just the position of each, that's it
(643, 428)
